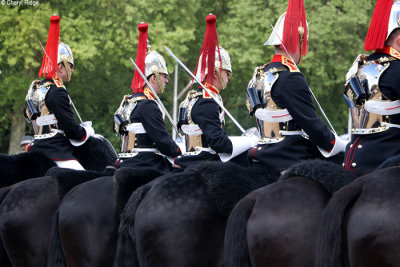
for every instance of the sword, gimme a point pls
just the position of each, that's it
(70, 100)
(309, 88)
(213, 97)
(158, 99)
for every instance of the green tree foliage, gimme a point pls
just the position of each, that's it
(103, 36)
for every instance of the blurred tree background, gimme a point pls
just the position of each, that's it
(103, 35)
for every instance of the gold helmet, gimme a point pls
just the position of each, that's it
(155, 63)
(224, 63)
(210, 60)
(65, 56)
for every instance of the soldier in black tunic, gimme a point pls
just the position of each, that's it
(372, 93)
(48, 105)
(280, 99)
(144, 140)
(201, 117)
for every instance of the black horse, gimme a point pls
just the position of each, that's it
(23, 166)
(361, 224)
(179, 219)
(27, 207)
(85, 228)
(276, 225)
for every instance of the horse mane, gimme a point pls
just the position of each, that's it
(330, 175)
(129, 179)
(19, 167)
(95, 154)
(69, 178)
(229, 182)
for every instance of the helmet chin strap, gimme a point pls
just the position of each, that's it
(219, 77)
(159, 82)
(68, 70)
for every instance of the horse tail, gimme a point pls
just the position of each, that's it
(56, 254)
(4, 260)
(126, 247)
(330, 240)
(236, 250)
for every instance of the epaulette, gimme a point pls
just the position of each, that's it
(288, 63)
(277, 69)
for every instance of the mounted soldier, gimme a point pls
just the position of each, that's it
(280, 99)
(48, 105)
(201, 114)
(139, 120)
(372, 93)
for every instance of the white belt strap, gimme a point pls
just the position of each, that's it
(46, 120)
(136, 128)
(390, 125)
(155, 150)
(281, 115)
(292, 132)
(383, 108)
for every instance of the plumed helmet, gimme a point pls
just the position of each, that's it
(155, 63)
(208, 59)
(224, 63)
(289, 25)
(65, 54)
(385, 20)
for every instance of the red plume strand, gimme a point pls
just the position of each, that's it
(138, 82)
(378, 28)
(295, 18)
(53, 38)
(208, 49)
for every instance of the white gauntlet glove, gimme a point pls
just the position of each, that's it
(87, 125)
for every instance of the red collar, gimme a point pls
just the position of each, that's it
(389, 50)
(210, 87)
(285, 61)
(147, 92)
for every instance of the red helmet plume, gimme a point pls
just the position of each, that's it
(47, 69)
(138, 82)
(295, 25)
(378, 28)
(207, 53)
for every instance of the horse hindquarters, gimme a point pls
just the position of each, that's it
(281, 228)
(26, 214)
(373, 224)
(236, 251)
(88, 223)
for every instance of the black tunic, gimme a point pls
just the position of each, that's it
(291, 91)
(205, 113)
(59, 147)
(366, 152)
(148, 113)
